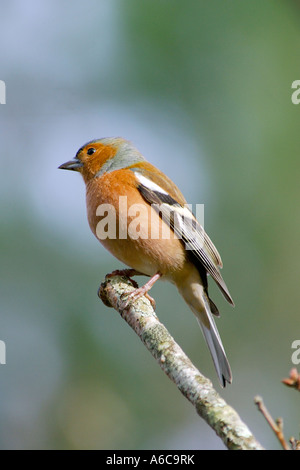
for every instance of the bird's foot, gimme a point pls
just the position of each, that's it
(140, 291)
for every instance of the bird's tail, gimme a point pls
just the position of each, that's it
(200, 305)
(216, 348)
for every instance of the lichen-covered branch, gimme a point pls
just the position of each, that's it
(199, 390)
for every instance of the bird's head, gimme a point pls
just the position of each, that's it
(101, 156)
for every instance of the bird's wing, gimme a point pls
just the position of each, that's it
(182, 221)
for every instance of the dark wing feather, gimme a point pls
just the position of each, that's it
(186, 227)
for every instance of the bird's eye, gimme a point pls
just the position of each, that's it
(91, 150)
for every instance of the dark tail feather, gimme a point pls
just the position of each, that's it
(214, 343)
(217, 352)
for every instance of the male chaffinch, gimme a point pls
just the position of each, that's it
(164, 241)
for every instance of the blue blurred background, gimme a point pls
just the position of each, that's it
(203, 89)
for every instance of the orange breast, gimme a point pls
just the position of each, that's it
(130, 228)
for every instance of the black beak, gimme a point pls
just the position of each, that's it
(71, 165)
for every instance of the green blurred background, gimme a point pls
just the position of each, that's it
(203, 89)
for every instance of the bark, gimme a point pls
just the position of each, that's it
(199, 390)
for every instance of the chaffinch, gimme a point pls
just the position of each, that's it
(142, 218)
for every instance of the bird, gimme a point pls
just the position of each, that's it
(141, 217)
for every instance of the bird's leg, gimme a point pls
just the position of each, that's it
(140, 291)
